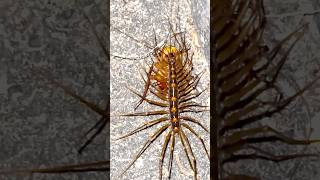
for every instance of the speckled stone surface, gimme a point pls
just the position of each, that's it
(40, 126)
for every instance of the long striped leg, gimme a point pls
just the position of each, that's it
(151, 113)
(186, 150)
(268, 154)
(143, 98)
(100, 124)
(194, 111)
(146, 145)
(274, 158)
(70, 92)
(194, 161)
(188, 98)
(143, 127)
(171, 152)
(267, 113)
(186, 118)
(163, 152)
(191, 104)
(187, 87)
(249, 136)
(198, 136)
(85, 167)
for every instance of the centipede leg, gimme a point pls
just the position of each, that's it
(238, 138)
(143, 98)
(146, 87)
(143, 127)
(257, 149)
(96, 125)
(174, 35)
(89, 104)
(181, 72)
(183, 142)
(266, 153)
(99, 130)
(150, 113)
(171, 153)
(142, 77)
(193, 96)
(159, 95)
(194, 160)
(86, 167)
(268, 113)
(274, 158)
(146, 145)
(138, 41)
(191, 105)
(190, 87)
(198, 136)
(186, 118)
(70, 92)
(194, 111)
(163, 152)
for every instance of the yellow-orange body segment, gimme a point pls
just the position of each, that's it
(162, 65)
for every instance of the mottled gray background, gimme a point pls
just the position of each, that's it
(302, 116)
(40, 126)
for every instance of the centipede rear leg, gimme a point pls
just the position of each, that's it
(146, 145)
(163, 152)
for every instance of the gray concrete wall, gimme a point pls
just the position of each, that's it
(40, 125)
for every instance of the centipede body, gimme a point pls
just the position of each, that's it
(129, 100)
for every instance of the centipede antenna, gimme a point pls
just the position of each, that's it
(144, 43)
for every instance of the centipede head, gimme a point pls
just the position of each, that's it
(169, 53)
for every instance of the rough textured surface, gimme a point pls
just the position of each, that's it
(302, 66)
(40, 125)
(137, 19)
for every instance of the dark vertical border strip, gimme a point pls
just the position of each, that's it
(214, 174)
(103, 37)
(108, 79)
